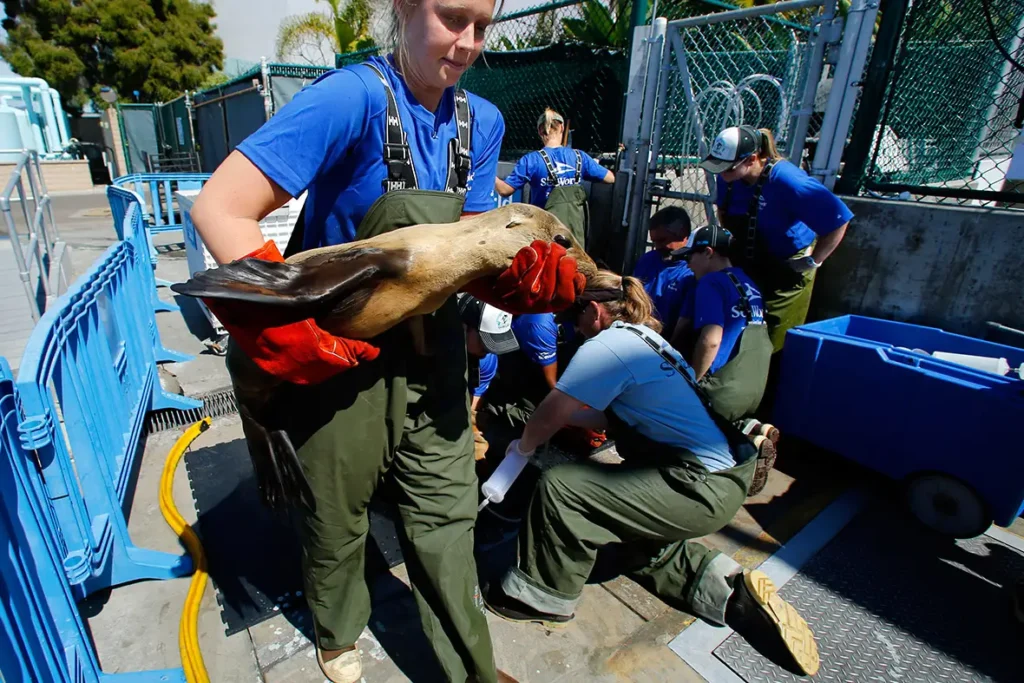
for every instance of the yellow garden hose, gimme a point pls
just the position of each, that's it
(188, 628)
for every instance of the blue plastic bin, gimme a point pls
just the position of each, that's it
(855, 386)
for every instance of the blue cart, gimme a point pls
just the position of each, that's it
(865, 389)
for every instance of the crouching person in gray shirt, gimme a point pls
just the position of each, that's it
(685, 475)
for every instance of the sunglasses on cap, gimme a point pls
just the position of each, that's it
(571, 314)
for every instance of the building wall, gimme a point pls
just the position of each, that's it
(931, 264)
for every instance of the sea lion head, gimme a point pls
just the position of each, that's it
(515, 226)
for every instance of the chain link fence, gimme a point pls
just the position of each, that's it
(567, 55)
(719, 73)
(953, 109)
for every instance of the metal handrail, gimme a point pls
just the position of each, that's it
(41, 256)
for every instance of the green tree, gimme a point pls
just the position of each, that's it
(158, 47)
(600, 26)
(310, 36)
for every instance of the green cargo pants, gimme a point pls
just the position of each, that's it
(736, 389)
(654, 509)
(407, 418)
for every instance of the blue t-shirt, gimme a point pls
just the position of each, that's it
(488, 367)
(649, 266)
(531, 169)
(618, 370)
(668, 291)
(330, 140)
(716, 302)
(794, 208)
(537, 334)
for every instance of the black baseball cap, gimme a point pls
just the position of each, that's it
(709, 236)
(732, 145)
(493, 324)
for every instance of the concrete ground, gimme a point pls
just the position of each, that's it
(620, 633)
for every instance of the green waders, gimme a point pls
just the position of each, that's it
(569, 204)
(737, 388)
(406, 417)
(654, 503)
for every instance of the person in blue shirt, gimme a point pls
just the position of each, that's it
(669, 292)
(669, 230)
(526, 376)
(555, 173)
(786, 224)
(386, 144)
(731, 352)
(685, 475)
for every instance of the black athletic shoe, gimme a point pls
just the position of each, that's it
(511, 609)
(771, 625)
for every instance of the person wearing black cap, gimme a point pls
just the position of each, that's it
(723, 334)
(685, 475)
(785, 222)
(555, 174)
(488, 335)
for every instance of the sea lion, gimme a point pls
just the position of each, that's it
(360, 290)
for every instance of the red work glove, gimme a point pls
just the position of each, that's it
(299, 352)
(541, 279)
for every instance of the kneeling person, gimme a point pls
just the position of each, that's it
(732, 351)
(685, 475)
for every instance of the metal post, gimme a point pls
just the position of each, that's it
(860, 23)
(821, 35)
(637, 18)
(268, 101)
(643, 157)
(873, 93)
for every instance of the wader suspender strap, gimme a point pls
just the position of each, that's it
(401, 173)
(737, 440)
(755, 204)
(459, 161)
(670, 360)
(748, 313)
(553, 175)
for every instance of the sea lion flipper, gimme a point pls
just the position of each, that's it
(309, 287)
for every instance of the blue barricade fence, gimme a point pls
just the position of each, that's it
(133, 228)
(156, 190)
(87, 380)
(42, 635)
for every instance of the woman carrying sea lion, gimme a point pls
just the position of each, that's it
(382, 145)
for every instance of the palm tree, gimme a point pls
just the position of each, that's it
(316, 36)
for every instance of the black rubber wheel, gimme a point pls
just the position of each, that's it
(947, 505)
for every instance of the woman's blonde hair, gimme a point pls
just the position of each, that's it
(635, 306)
(547, 122)
(768, 151)
(388, 27)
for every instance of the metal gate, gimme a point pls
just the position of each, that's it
(761, 66)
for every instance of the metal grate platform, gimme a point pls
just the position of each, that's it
(889, 601)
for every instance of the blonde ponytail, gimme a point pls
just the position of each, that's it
(768, 150)
(635, 307)
(547, 122)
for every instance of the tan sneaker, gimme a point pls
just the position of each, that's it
(345, 668)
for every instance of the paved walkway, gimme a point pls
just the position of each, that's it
(15, 310)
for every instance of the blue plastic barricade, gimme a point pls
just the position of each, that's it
(869, 390)
(42, 635)
(132, 228)
(120, 199)
(87, 380)
(156, 191)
